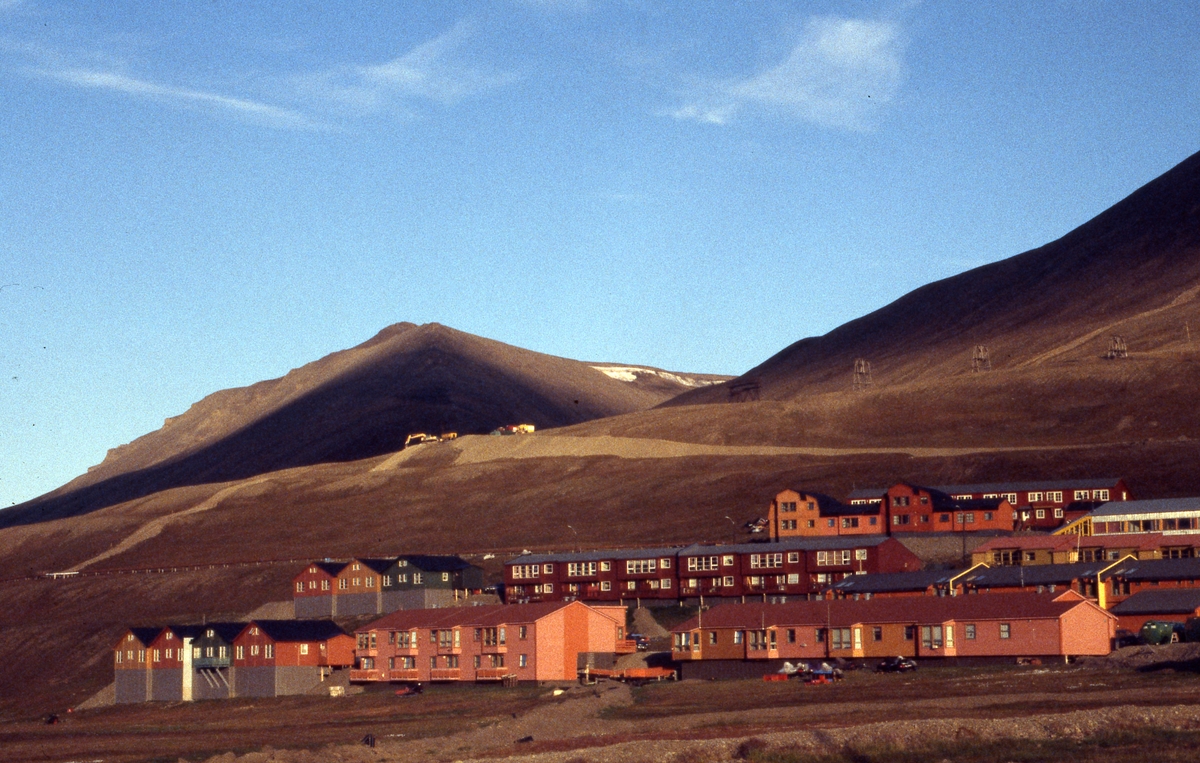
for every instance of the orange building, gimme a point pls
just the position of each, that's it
(273, 658)
(914, 509)
(796, 513)
(521, 642)
(748, 639)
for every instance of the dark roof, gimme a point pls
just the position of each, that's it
(430, 563)
(144, 634)
(597, 556)
(1158, 569)
(904, 609)
(1098, 483)
(376, 564)
(299, 630)
(788, 544)
(330, 568)
(828, 506)
(225, 631)
(1032, 574)
(1156, 506)
(894, 581)
(1165, 601)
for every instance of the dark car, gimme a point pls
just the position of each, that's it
(642, 641)
(896, 665)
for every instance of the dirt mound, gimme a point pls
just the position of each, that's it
(1173, 656)
(644, 623)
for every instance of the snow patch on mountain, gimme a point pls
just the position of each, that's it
(631, 373)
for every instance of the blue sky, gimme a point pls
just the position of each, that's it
(195, 196)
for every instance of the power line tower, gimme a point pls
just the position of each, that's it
(862, 374)
(1117, 349)
(981, 359)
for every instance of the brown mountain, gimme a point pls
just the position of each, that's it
(359, 403)
(1047, 317)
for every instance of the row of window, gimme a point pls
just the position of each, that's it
(366, 582)
(932, 636)
(220, 652)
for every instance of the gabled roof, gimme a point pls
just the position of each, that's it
(375, 564)
(828, 506)
(1139, 541)
(472, 617)
(1155, 506)
(330, 568)
(142, 634)
(909, 609)
(1164, 601)
(297, 630)
(226, 631)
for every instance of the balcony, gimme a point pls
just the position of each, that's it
(494, 648)
(625, 646)
(492, 674)
(445, 674)
(448, 650)
(366, 652)
(373, 674)
(402, 674)
(211, 662)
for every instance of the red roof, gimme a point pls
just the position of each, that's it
(914, 609)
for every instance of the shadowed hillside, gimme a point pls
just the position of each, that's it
(356, 404)
(1133, 271)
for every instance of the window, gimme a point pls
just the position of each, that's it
(873, 521)
(811, 523)
(727, 581)
(1081, 495)
(324, 585)
(791, 635)
(1031, 556)
(1035, 497)
(605, 566)
(900, 519)
(666, 582)
(900, 500)
(1005, 630)
(970, 518)
(931, 636)
(640, 566)
(631, 585)
(909, 632)
(969, 631)
(343, 584)
(241, 652)
(787, 506)
(478, 661)
(830, 522)
(1058, 513)
(300, 586)
(223, 652)
(580, 569)
(304, 649)
(170, 652)
(1010, 497)
(760, 561)
(605, 585)
(739, 636)
(664, 564)
(357, 582)
(523, 661)
(452, 660)
(445, 577)
(1040, 513)
(253, 651)
(547, 568)
(712, 638)
(1055, 496)
(387, 581)
(793, 578)
(1100, 495)
(787, 524)
(701, 563)
(369, 581)
(154, 656)
(208, 652)
(949, 636)
(417, 577)
(524, 571)
(269, 651)
(860, 554)
(793, 557)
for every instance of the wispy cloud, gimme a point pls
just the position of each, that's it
(263, 112)
(839, 74)
(436, 71)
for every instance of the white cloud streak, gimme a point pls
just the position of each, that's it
(432, 71)
(839, 74)
(265, 113)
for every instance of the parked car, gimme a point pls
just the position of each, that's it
(896, 665)
(642, 641)
(1125, 637)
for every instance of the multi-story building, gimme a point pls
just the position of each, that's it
(803, 514)
(371, 586)
(550, 641)
(1170, 516)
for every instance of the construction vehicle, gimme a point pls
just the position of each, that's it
(421, 437)
(513, 429)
